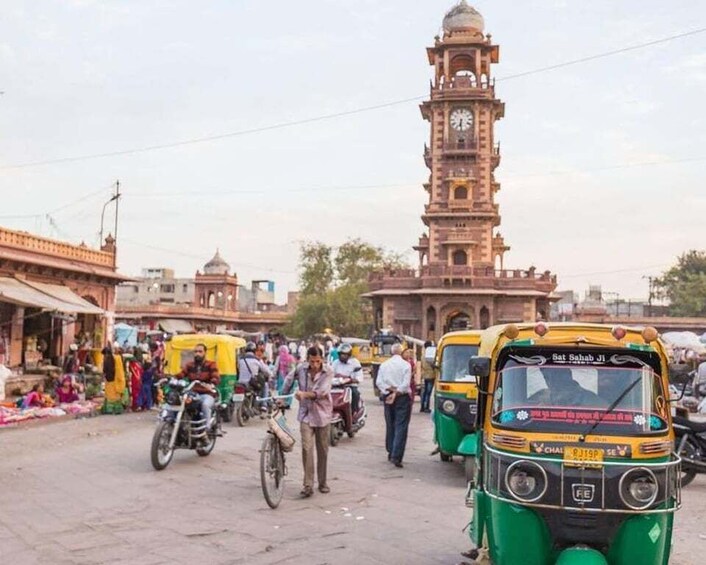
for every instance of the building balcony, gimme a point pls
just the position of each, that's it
(463, 87)
(461, 276)
(58, 249)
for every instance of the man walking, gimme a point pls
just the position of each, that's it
(315, 411)
(394, 378)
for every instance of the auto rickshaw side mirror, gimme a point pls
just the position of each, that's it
(684, 386)
(479, 367)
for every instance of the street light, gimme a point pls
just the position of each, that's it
(112, 199)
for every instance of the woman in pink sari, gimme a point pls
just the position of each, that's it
(285, 363)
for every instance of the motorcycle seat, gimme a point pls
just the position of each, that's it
(696, 427)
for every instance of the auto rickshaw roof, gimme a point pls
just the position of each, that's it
(189, 341)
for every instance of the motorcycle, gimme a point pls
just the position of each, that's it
(690, 445)
(181, 424)
(247, 405)
(344, 421)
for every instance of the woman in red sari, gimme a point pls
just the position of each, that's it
(135, 371)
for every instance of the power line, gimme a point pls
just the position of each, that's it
(340, 114)
(201, 257)
(608, 168)
(628, 270)
(604, 54)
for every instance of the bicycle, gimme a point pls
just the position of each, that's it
(278, 441)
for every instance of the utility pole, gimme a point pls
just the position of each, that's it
(117, 207)
(650, 282)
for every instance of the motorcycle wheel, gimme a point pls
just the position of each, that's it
(160, 453)
(272, 471)
(689, 451)
(205, 448)
(333, 435)
(242, 414)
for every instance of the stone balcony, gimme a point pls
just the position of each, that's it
(466, 277)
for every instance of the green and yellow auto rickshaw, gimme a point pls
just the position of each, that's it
(221, 348)
(575, 450)
(455, 394)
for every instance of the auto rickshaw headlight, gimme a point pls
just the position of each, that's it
(448, 406)
(526, 481)
(638, 488)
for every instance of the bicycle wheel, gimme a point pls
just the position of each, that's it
(272, 471)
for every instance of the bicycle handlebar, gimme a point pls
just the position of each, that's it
(274, 397)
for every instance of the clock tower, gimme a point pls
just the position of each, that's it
(462, 154)
(461, 281)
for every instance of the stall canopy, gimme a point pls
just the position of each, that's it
(45, 296)
(126, 334)
(174, 326)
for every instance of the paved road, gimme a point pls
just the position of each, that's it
(84, 491)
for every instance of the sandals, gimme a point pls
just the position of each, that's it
(306, 492)
(324, 489)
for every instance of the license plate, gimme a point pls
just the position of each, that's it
(238, 397)
(583, 457)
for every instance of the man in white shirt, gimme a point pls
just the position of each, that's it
(394, 378)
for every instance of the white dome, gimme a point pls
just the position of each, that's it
(463, 17)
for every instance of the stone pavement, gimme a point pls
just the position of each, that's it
(83, 491)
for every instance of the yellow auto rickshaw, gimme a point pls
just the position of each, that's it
(362, 350)
(221, 348)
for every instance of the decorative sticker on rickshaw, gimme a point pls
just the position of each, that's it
(610, 450)
(581, 417)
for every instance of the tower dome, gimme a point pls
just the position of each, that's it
(217, 265)
(463, 17)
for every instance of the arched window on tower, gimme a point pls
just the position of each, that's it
(211, 300)
(484, 80)
(459, 257)
(461, 193)
(461, 69)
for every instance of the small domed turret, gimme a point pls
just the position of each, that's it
(216, 266)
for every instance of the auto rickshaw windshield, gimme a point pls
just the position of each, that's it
(454, 362)
(560, 398)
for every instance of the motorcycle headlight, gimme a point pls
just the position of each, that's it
(638, 488)
(526, 481)
(173, 398)
(448, 406)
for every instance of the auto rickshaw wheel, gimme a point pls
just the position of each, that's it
(228, 413)
(445, 457)
(469, 466)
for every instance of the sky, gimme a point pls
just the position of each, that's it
(602, 162)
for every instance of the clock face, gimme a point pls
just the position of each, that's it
(461, 119)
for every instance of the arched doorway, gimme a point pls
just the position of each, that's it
(484, 317)
(458, 320)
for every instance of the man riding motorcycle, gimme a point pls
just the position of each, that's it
(349, 369)
(254, 373)
(200, 369)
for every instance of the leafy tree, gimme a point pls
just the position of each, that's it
(317, 271)
(684, 285)
(332, 285)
